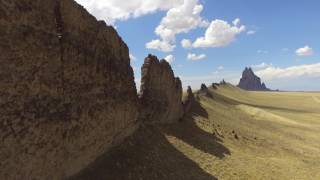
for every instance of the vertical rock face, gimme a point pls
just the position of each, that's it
(67, 91)
(161, 92)
(251, 82)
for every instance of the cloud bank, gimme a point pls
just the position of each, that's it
(220, 33)
(272, 73)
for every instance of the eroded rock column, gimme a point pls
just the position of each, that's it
(160, 92)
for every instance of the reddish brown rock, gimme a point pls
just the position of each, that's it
(160, 92)
(67, 90)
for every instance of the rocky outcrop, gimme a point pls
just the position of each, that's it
(204, 90)
(67, 91)
(160, 92)
(203, 87)
(188, 100)
(251, 82)
(215, 85)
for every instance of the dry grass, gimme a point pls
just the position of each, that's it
(279, 133)
(234, 134)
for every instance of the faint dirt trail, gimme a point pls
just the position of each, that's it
(316, 99)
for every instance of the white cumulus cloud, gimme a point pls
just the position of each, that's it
(304, 51)
(219, 33)
(186, 43)
(179, 19)
(170, 58)
(236, 22)
(115, 10)
(160, 45)
(195, 57)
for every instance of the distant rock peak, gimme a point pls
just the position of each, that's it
(251, 82)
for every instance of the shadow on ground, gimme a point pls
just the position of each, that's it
(191, 134)
(149, 155)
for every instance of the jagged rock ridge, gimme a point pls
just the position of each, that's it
(160, 92)
(67, 91)
(249, 81)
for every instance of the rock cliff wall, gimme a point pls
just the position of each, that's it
(67, 91)
(160, 92)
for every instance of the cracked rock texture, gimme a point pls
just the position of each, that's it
(160, 92)
(67, 91)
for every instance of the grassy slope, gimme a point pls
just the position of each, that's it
(232, 135)
(279, 133)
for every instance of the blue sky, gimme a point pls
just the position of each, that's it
(279, 39)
